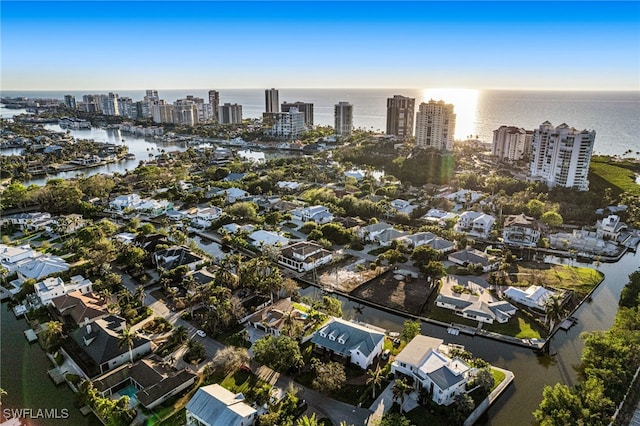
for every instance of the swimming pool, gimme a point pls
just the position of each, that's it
(130, 391)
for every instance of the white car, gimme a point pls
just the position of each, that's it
(201, 333)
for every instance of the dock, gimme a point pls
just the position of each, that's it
(568, 323)
(56, 375)
(19, 310)
(30, 335)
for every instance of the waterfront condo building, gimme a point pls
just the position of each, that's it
(110, 104)
(561, 155)
(230, 113)
(512, 143)
(214, 101)
(343, 114)
(271, 100)
(284, 125)
(92, 103)
(304, 107)
(70, 101)
(435, 126)
(400, 112)
(162, 112)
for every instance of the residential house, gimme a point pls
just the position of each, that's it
(469, 256)
(172, 257)
(317, 214)
(50, 288)
(610, 227)
(471, 307)
(67, 223)
(442, 245)
(153, 381)
(477, 223)
(370, 232)
(304, 256)
(204, 217)
(153, 207)
(352, 342)
(271, 319)
(385, 237)
(125, 202)
(464, 196)
(37, 221)
(533, 296)
(40, 267)
(521, 230)
(232, 195)
(288, 186)
(80, 308)
(402, 206)
(234, 177)
(11, 257)
(425, 361)
(262, 238)
(213, 405)
(99, 345)
(418, 239)
(438, 217)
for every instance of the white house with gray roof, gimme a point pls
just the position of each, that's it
(304, 256)
(370, 232)
(213, 405)
(424, 361)
(354, 342)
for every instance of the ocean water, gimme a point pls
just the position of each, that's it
(615, 116)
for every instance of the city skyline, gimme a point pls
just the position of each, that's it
(480, 45)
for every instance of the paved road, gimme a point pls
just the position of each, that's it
(318, 403)
(161, 310)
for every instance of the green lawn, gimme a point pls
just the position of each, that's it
(619, 179)
(177, 419)
(579, 279)
(498, 377)
(518, 326)
(378, 251)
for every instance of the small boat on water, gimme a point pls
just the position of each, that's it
(130, 156)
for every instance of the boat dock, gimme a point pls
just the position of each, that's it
(30, 335)
(568, 323)
(19, 310)
(56, 375)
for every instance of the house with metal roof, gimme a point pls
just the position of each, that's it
(468, 257)
(213, 405)
(427, 364)
(533, 296)
(356, 343)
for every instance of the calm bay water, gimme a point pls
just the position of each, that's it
(614, 115)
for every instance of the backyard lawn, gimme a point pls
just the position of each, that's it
(579, 279)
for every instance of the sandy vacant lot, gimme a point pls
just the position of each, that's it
(395, 291)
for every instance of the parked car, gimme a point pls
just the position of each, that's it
(201, 333)
(246, 369)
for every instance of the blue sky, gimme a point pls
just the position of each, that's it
(480, 45)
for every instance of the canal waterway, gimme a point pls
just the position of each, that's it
(23, 375)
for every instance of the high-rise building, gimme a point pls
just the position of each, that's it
(271, 101)
(92, 103)
(343, 115)
(230, 113)
(214, 101)
(127, 108)
(284, 125)
(162, 112)
(70, 101)
(151, 95)
(561, 156)
(304, 107)
(512, 143)
(435, 126)
(110, 104)
(400, 112)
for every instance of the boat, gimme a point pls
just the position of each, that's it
(130, 156)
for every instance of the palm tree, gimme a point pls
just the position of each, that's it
(288, 322)
(139, 295)
(105, 295)
(308, 421)
(554, 310)
(400, 389)
(126, 338)
(180, 334)
(375, 378)
(54, 330)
